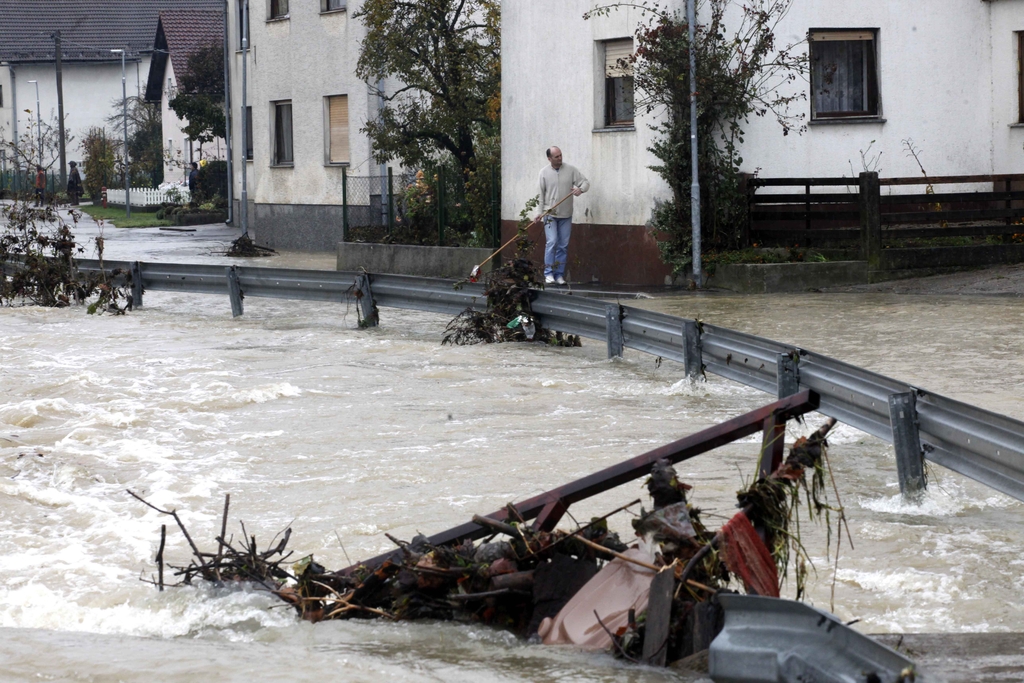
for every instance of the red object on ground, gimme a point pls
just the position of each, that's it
(747, 557)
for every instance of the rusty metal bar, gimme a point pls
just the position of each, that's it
(547, 508)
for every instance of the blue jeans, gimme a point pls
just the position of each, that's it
(556, 234)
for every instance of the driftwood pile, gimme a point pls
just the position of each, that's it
(522, 579)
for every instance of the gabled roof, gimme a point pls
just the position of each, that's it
(89, 28)
(179, 33)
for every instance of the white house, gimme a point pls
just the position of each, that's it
(179, 34)
(947, 77)
(91, 72)
(305, 108)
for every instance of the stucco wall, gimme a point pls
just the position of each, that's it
(92, 91)
(304, 58)
(177, 151)
(947, 79)
(552, 83)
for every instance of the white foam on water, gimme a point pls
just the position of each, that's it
(946, 500)
(176, 612)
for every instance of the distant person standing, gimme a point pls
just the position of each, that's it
(558, 180)
(193, 180)
(74, 184)
(40, 185)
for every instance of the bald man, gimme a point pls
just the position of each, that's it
(558, 180)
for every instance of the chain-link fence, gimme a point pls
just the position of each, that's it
(432, 206)
(14, 183)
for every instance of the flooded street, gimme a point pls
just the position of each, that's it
(345, 434)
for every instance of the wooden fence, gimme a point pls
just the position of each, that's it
(848, 208)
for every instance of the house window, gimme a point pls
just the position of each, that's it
(331, 5)
(283, 154)
(278, 9)
(243, 20)
(1020, 76)
(248, 133)
(337, 129)
(618, 82)
(844, 74)
(1, 95)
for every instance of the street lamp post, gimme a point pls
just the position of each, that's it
(39, 123)
(243, 204)
(691, 20)
(124, 114)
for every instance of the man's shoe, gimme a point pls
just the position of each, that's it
(560, 280)
(549, 280)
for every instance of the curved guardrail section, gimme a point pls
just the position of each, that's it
(977, 443)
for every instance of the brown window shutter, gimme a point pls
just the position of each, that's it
(339, 128)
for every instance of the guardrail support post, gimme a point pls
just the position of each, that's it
(613, 317)
(235, 292)
(136, 284)
(907, 442)
(369, 315)
(691, 350)
(787, 376)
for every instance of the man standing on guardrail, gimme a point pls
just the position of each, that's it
(557, 182)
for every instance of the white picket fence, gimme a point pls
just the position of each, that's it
(149, 196)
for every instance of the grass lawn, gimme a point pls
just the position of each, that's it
(116, 217)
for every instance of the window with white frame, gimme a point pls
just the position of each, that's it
(844, 73)
(277, 9)
(331, 5)
(1020, 76)
(283, 152)
(336, 110)
(618, 82)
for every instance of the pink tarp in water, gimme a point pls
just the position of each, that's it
(617, 588)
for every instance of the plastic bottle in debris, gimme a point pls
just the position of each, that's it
(529, 329)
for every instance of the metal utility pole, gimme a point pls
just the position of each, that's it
(124, 113)
(60, 113)
(227, 115)
(691, 19)
(243, 204)
(39, 123)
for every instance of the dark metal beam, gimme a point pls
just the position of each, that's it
(551, 505)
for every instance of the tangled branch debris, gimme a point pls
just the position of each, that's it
(526, 580)
(244, 247)
(38, 263)
(509, 317)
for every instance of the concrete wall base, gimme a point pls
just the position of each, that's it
(765, 278)
(403, 259)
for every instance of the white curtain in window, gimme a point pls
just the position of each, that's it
(283, 133)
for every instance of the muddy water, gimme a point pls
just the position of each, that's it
(345, 434)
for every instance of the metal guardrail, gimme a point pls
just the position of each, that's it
(977, 443)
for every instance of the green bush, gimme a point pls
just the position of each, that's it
(212, 181)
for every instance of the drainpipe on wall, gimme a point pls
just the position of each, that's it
(14, 117)
(227, 114)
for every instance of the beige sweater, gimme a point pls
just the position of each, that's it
(556, 184)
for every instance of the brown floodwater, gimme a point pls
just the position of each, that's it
(345, 434)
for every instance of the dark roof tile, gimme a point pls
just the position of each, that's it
(89, 28)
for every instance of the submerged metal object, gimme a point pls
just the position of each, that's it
(770, 640)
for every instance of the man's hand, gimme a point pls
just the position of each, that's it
(577, 191)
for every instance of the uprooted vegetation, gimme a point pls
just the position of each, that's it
(543, 584)
(510, 289)
(38, 263)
